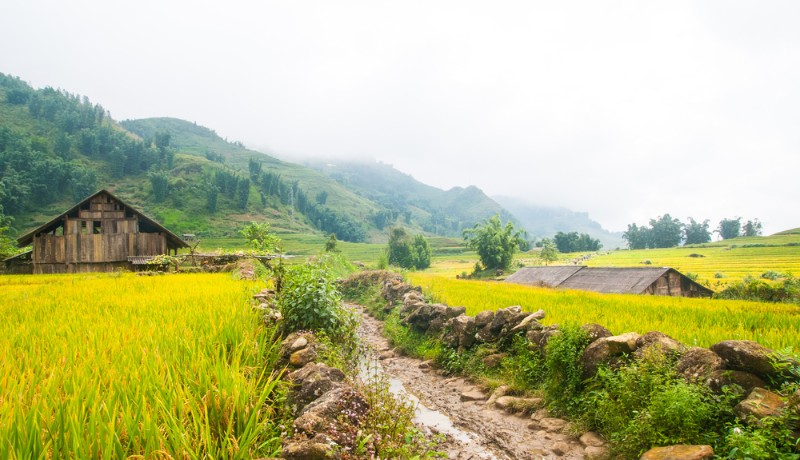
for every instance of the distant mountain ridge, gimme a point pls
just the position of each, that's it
(546, 221)
(56, 148)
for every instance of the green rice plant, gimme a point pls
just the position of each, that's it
(115, 365)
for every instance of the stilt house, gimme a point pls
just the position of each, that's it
(101, 233)
(625, 280)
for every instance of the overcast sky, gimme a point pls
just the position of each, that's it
(627, 110)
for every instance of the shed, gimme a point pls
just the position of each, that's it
(618, 280)
(101, 233)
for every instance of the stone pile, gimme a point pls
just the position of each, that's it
(267, 304)
(746, 365)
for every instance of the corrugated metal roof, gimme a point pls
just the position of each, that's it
(633, 280)
(543, 276)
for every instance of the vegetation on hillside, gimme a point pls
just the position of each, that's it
(667, 232)
(494, 242)
(406, 251)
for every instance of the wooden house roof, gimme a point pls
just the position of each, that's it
(146, 224)
(611, 280)
(543, 276)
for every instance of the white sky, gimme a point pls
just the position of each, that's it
(625, 109)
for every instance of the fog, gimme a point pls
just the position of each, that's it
(626, 110)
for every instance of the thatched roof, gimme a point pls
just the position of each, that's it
(146, 224)
(543, 276)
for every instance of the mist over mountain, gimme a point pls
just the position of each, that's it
(545, 221)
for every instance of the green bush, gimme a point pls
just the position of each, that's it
(309, 300)
(563, 383)
(646, 404)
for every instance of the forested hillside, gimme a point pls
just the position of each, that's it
(56, 148)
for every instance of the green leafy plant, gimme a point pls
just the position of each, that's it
(260, 237)
(563, 384)
(309, 299)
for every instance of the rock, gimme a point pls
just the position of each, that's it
(507, 403)
(540, 414)
(307, 450)
(595, 331)
(760, 403)
(679, 452)
(430, 318)
(538, 314)
(746, 355)
(698, 364)
(287, 344)
(483, 318)
(605, 350)
(596, 452)
(528, 322)
(302, 357)
(301, 342)
(492, 361)
(505, 319)
(310, 423)
(660, 341)
(333, 405)
(720, 379)
(502, 390)
(553, 425)
(539, 337)
(473, 395)
(386, 355)
(394, 290)
(560, 448)
(592, 439)
(426, 364)
(313, 381)
(459, 332)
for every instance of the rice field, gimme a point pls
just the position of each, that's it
(700, 322)
(115, 366)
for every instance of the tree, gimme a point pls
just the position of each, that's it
(407, 252)
(729, 228)
(572, 242)
(243, 194)
(159, 180)
(637, 237)
(494, 242)
(752, 228)
(667, 232)
(211, 199)
(260, 237)
(330, 245)
(421, 253)
(8, 247)
(549, 252)
(695, 232)
(399, 249)
(322, 197)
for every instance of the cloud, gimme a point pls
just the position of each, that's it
(628, 110)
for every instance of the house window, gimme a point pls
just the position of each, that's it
(97, 227)
(83, 227)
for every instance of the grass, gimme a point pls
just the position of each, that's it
(114, 365)
(700, 322)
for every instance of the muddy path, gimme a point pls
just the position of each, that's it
(473, 429)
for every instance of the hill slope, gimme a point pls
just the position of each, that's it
(546, 221)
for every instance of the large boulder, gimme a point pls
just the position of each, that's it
(747, 356)
(660, 342)
(595, 331)
(606, 351)
(527, 323)
(679, 452)
(483, 318)
(393, 290)
(760, 403)
(720, 379)
(459, 332)
(313, 381)
(698, 364)
(501, 323)
(539, 337)
(431, 317)
(317, 448)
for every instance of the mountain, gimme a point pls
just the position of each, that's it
(56, 148)
(405, 199)
(546, 221)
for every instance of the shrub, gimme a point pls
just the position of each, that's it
(563, 383)
(310, 300)
(645, 403)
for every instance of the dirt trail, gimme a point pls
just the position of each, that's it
(473, 430)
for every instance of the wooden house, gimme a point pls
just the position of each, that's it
(623, 280)
(101, 233)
